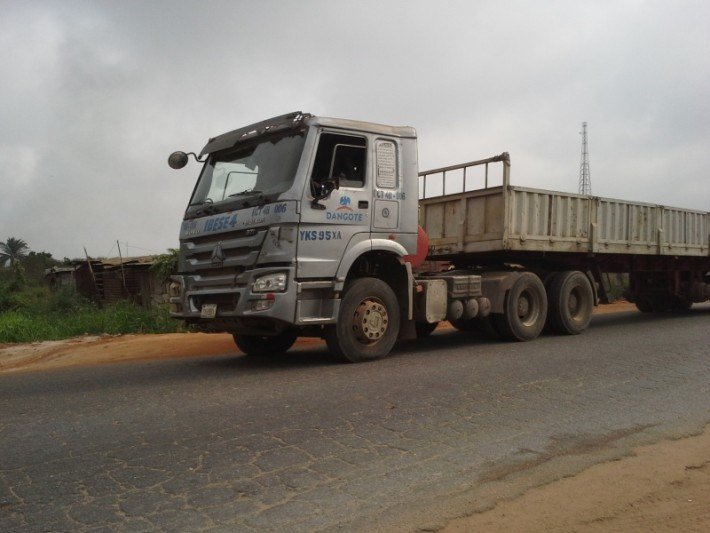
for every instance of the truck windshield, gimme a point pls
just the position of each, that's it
(267, 167)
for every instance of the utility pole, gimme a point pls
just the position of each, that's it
(585, 179)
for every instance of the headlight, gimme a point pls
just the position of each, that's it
(174, 290)
(270, 283)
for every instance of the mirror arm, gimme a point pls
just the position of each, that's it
(193, 154)
(178, 160)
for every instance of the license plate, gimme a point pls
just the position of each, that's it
(208, 311)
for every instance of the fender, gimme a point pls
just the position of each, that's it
(362, 247)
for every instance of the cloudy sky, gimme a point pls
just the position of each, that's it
(95, 95)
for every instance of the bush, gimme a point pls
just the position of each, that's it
(17, 327)
(35, 314)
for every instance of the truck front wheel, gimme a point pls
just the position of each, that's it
(263, 346)
(524, 310)
(571, 301)
(368, 321)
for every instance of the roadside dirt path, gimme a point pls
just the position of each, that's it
(92, 350)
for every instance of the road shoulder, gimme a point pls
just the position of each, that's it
(661, 487)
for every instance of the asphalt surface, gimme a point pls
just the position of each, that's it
(300, 443)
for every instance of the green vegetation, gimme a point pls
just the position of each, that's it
(33, 313)
(12, 250)
(30, 312)
(166, 264)
(618, 286)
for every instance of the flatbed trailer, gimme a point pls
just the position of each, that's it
(546, 231)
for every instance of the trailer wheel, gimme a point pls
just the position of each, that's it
(571, 301)
(368, 322)
(424, 329)
(525, 309)
(681, 304)
(264, 346)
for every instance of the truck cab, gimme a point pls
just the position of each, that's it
(285, 216)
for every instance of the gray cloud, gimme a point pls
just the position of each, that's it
(95, 95)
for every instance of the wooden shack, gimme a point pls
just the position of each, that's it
(111, 280)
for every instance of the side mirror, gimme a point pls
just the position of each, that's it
(322, 190)
(177, 160)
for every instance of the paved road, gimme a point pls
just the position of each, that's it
(300, 443)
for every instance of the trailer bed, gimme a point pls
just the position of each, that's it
(508, 218)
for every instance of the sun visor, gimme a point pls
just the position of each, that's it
(272, 125)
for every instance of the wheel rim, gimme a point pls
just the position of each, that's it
(370, 321)
(528, 308)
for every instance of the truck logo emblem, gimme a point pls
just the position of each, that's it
(218, 254)
(344, 204)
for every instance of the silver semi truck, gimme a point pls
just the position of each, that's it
(310, 226)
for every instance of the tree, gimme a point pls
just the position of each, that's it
(12, 250)
(35, 264)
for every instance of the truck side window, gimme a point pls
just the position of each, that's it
(342, 157)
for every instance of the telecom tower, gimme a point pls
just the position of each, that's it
(585, 180)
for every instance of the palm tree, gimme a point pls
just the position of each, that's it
(12, 250)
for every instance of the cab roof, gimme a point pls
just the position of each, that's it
(294, 121)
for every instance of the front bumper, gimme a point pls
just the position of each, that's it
(237, 307)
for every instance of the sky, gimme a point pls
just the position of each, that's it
(95, 95)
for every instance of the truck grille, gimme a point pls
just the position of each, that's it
(217, 261)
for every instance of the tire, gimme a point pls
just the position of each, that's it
(264, 346)
(368, 322)
(424, 329)
(525, 309)
(571, 301)
(681, 305)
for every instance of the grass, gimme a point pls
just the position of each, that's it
(32, 314)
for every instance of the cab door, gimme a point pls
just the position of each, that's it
(343, 218)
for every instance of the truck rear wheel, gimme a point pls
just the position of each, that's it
(263, 346)
(524, 309)
(368, 321)
(571, 301)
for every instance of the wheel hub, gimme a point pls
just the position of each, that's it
(370, 321)
(528, 308)
(523, 307)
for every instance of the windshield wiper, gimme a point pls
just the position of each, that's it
(245, 192)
